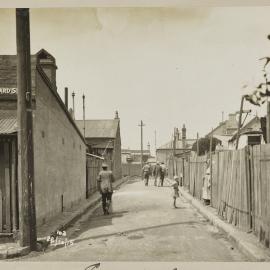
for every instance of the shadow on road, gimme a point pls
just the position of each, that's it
(97, 219)
(190, 223)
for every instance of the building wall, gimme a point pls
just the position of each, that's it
(59, 154)
(117, 155)
(164, 155)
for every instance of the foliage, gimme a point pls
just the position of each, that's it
(204, 145)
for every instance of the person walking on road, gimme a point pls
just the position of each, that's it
(104, 184)
(146, 173)
(156, 172)
(175, 193)
(163, 170)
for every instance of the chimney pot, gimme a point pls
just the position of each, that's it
(116, 115)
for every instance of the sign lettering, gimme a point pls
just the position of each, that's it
(8, 91)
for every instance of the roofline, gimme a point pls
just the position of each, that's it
(58, 99)
(221, 124)
(98, 120)
(100, 138)
(118, 125)
(172, 149)
(242, 128)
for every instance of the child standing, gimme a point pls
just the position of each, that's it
(175, 187)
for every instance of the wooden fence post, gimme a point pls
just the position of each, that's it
(211, 177)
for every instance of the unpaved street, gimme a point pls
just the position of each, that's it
(144, 227)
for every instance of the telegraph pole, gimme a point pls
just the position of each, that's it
(211, 157)
(174, 150)
(83, 115)
(239, 121)
(27, 219)
(141, 125)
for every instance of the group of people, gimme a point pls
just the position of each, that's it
(158, 172)
(106, 178)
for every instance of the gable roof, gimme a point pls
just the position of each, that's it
(245, 129)
(8, 78)
(99, 128)
(179, 144)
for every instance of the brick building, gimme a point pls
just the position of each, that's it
(59, 147)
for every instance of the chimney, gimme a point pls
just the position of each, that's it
(232, 123)
(48, 65)
(116, 115)
(177, 134)
(66, 97)
(184, 136)
(184, 132)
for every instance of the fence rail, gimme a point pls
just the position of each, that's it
(240, 186)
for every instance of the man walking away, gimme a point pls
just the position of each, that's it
(104, 184)
(146, 173)
(162, 173)
(156, 172)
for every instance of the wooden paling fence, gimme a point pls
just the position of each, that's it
(260, 203)
(131, 169)
(240, 189)
(233, 194)
(197, 172)
(93, 166)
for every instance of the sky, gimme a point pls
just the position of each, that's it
(166, 66)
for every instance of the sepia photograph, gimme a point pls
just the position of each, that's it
(134, 135)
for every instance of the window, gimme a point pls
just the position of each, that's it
(254, 140)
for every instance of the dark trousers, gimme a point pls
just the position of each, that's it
(106, 198)
(146, 178)
(162, 176)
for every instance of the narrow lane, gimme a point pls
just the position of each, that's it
(144, 227)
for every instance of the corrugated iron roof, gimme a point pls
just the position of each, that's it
(99, 128)
(8, 122)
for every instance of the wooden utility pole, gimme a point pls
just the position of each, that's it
(210, 157)
(239, 122)
(27, 219)
(83, 115)
(174, 150)
(141, 125)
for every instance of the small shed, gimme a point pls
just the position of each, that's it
(103, 138)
